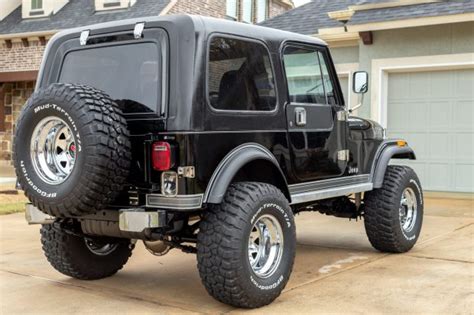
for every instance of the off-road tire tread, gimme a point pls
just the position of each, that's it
(217, 248)
(380, 220)
(56, 245)
(106, 170)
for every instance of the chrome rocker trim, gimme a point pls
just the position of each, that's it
(329, 188)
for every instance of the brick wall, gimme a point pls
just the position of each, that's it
(276, 8)
(20, 58)
(14, 97)
(215, 8)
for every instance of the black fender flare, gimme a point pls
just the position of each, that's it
(232, 163)
(388, 150)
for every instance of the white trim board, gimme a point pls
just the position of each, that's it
(382, 67)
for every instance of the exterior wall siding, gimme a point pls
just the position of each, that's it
(411, 42)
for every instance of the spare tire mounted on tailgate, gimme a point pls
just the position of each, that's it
(72, 150)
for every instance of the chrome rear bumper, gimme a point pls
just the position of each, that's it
(130, 220)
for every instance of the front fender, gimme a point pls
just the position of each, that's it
(232, 163)
(389, 150)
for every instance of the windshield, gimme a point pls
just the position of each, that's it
(130, 74)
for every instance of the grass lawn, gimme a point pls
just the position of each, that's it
(8, 208)
(11, 203)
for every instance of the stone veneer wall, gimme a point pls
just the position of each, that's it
(15, 96)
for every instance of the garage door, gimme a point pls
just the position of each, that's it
(433, 111)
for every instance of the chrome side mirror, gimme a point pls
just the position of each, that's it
(360, 82)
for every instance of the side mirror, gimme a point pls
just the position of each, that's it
(360, 82)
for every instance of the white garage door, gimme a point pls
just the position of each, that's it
(434, 112)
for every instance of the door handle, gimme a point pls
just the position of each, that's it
(300, 116)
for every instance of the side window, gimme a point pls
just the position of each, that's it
(240, 76)
(328, 86)
(303, 74)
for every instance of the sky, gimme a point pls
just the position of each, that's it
(300, 2)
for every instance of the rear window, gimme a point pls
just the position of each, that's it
(240, 76)
(130, 74)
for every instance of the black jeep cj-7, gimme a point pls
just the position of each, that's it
(207, 136)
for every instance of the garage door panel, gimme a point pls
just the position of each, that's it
(463, 113)
(399, 87)
(434, 112)
(464, 174)
(440, 115)
(440, 146)
(418, 85)
(441, 85)
(464, 83)
(463, 149)
(438, 176)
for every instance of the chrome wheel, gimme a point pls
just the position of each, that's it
(265, 246)
(99, 248)
(407, 210)
(53, 150)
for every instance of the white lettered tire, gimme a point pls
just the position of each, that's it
(246, 245)
(71, 150)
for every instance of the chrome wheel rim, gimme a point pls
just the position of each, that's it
(100, 249)
(265, 246)
(53, 150)
(408, 210)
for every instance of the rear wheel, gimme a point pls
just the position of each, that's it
(246, 245)
(83, 257)
(393, 214)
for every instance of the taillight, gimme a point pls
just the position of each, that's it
(161, 156)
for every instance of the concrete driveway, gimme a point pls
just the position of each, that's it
(336, 270)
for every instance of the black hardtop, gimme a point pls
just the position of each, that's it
(187, 59)
(200, 24)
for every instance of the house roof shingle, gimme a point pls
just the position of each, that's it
(78, 13)
(307, 19)
(412, 11)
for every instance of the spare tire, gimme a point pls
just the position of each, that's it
(71, 150)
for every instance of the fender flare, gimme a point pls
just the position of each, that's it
(388, 150)
(232, 163)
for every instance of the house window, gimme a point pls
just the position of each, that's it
(231, 9)
(36, 4)
(247, 11)
(262, 10)
(111, 3)
(240, 76)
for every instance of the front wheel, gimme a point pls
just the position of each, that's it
(83, 257)
(393, 214)
(246, 245)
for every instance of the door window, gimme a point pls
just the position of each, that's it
(240, 76)
(328, 86)
(307, 76)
